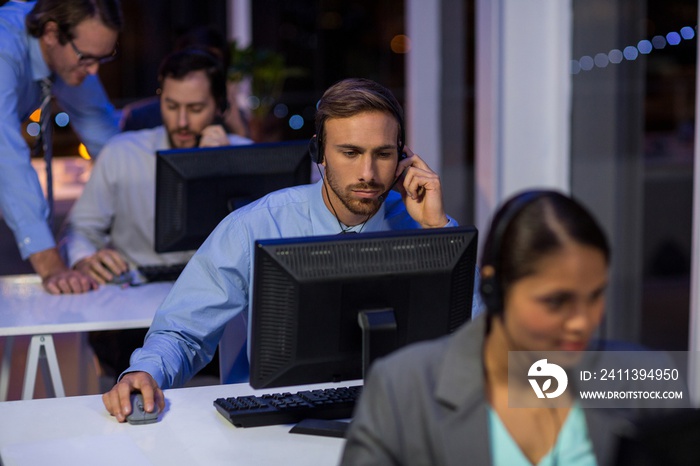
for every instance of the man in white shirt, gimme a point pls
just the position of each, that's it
(111, 226)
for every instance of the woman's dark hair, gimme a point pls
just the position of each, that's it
(67, 14)
(528, 227)
(179, 64)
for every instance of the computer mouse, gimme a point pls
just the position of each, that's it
(124, 278)
(138, 411)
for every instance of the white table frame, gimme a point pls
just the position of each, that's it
(26, 309)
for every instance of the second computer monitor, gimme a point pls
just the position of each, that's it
(324, 307)
(196, 188)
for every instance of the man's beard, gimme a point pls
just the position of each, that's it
(366, 207)
(171, 140)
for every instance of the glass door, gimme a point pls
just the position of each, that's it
(632, 139)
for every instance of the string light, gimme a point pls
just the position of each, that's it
(632, 52)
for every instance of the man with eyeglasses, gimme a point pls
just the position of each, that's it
(51, 48)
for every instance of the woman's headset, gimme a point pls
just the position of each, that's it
(491, 284)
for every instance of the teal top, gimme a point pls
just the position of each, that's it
(572, 448)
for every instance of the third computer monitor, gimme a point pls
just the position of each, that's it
(196, 188)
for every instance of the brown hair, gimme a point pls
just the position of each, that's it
(356, 95)
(179, 64)
(67, 14)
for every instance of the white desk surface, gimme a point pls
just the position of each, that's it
(26, 309)
(78, 430)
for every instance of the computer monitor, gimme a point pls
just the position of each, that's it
(324, 307)
(196, 188)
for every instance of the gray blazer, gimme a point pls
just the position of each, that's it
(425, 405)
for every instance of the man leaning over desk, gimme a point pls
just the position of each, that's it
(58, 45)
(110, 228)
(359, 141)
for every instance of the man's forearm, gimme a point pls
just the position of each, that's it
(47, 262)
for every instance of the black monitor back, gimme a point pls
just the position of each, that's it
(308, 292)
(196, 188)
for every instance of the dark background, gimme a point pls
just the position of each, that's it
(325, 40)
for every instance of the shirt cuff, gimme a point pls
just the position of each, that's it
(451, 222)
(34, 238)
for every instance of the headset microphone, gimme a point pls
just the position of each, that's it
(382, 197)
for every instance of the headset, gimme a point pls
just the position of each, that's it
(491, 286)
(316, 144)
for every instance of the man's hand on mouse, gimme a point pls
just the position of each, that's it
(102, 266)
(118, 399)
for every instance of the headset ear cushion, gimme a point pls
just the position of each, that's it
(491, 295)
(313, 150)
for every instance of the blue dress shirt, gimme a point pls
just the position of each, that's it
(214, 287)
(22, 67)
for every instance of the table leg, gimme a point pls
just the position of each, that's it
(42, 348)
(6, 367)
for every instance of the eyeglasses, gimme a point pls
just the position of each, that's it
(89, 60)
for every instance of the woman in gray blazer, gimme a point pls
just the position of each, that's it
(445, 402)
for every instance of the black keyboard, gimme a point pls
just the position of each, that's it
(288, 408)
(161, 273)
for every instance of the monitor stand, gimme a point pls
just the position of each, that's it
(322, 427)
(379, 337)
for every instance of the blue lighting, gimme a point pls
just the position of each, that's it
(644, 46)
(253, 102)
(296, 122)
(280, 110)
(673, 38)
(615, 56)
(62, 119)
(601, 60)
(659, 42)
(33, 129)
(575, 67)
(586, 63)
(631, 53)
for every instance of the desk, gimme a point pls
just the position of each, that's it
(26, 309)
(78, 430)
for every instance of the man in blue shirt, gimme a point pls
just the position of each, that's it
(64, 42)
(359, 142)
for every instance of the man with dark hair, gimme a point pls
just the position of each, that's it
(111, 226)
(145, 113)
(360, 144)
(51, 48)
